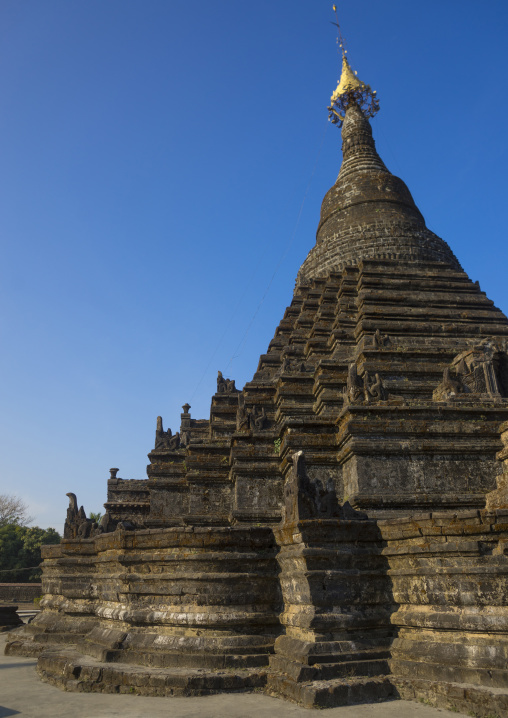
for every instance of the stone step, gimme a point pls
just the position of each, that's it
(333, 651)
(53, 637)
(162, 659)
(459, 697)
(75, 672)
(351, 668)
(445, 670)
(336, 692)
(24, 647)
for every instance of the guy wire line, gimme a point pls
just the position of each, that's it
(285, 253)
(247, 287)
(341, 43)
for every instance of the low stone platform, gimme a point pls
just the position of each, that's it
(25, 696)
(477, 701)
(346, 691)
(72, 671)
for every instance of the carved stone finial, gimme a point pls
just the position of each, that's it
(242, 415)
(113, 473)
(249, 418)
(164, 440)
(78, 526)
(374, 389)
(225, 386)
(185, 426)
(354, 386)
(125, 526)
(76, 523)
(73, 503)
(258, 417)
(364, 388)
(380, 340)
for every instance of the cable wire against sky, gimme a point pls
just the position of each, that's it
(284, 255)
(341, 43)
(341, 49)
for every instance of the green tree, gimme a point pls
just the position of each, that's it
(20, 551)
(95, 516)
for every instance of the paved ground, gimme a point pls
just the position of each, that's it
(23, 694)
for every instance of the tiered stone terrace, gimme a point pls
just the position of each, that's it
(337, 530)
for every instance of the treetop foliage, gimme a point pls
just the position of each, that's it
(13, 510)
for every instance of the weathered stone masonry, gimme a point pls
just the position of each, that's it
(337, 530)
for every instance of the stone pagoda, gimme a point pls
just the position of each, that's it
(337, 530)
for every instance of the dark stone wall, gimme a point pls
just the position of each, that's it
(19, 592)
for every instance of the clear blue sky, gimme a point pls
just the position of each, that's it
(154, 157)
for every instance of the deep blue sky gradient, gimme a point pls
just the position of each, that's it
(161, 160)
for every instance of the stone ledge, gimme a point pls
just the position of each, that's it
(462, 697)
(74, 672)
(336, 692)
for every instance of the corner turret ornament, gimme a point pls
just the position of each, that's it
(350, 89)
(165, 440)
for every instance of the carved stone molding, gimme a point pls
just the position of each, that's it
(478, 372)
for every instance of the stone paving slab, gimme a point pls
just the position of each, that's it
(23, 694)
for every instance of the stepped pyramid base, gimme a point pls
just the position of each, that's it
(71, 671)
(338, 684)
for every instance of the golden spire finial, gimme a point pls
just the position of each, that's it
(350, 89)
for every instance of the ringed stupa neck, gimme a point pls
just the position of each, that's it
(358, 147)
(369, 212)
